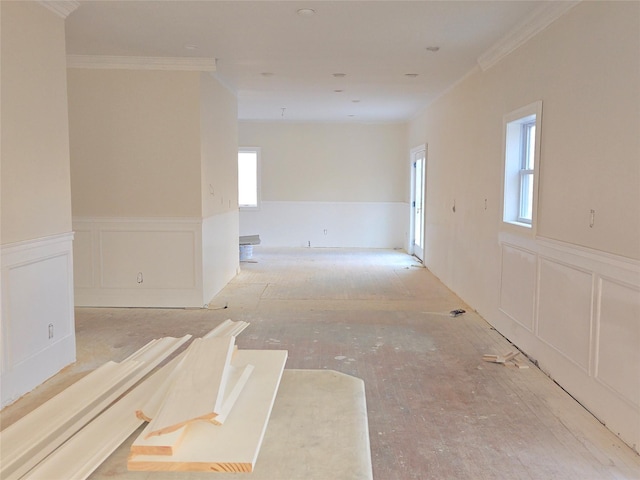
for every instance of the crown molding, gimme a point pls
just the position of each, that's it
(142, 63)
(539, 19)
(62, 8)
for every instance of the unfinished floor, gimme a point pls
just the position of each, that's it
(436, 410)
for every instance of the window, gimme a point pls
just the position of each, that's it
(522, 154)
(249, 178)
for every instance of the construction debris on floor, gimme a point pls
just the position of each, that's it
(187, 404)
(508, 359)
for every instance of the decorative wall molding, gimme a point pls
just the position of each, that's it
(583, 326)
(138, 262)
(198, 64)
(184, 261)
(62, 8)
(539, 19)
(37, 332)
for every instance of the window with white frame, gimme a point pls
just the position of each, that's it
(249, 178)
(521, 164)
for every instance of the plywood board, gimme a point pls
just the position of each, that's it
(198, 390)
(234, 446)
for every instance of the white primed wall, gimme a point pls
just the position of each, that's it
(348, 179)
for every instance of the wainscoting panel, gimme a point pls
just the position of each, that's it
(37, 331)
(138, 262)
(328, 224)
(619, 339)
(83, 271)
(517, 285)
(564, 310)
(586, 324)
(147, 259)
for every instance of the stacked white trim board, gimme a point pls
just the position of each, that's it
(207, 408)
(40, 432)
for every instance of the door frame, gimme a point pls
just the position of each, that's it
(412, 227)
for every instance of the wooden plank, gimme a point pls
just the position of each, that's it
(167, 444)
(238, 377)
(500, 358)
(234, 446)
(197, 392)
(39, 433)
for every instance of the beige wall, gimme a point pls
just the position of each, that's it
(330, 162)
(219, 137)
(586, 70)
(135, 143)
(36, 194)
(569, 296)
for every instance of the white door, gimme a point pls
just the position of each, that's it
(419, 164)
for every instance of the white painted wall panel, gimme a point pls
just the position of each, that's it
(618, 364)
(167, 251)
(517, 285)
(220, 252)
(564, 310)
(158, 258)
(587, 326)
(329, 224)
(37, 329)
(83, 256)
(36, 290)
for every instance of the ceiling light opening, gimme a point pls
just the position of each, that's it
(306, 12)
(433, 49)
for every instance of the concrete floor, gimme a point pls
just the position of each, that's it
(436, 410)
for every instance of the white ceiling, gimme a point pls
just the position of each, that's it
(375, 43)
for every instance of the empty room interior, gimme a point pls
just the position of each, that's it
(435, 205)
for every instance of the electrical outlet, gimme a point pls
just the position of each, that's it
(50, 331)
(140, 278)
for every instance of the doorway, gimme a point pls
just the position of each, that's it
(418, 190)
